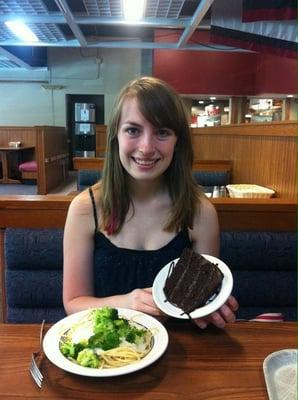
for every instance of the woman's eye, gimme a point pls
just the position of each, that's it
(163, 133)
(132, 131)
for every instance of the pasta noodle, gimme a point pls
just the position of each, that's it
(121, 356)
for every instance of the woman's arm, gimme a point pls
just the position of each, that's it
(206, 240)
(205, 233)
(78, 255)
(78, 285)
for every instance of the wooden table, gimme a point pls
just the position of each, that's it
(5, 165)
(211, 364)
(88, 163)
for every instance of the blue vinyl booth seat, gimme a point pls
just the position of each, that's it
(34, 262)
(264, 269)
(87, 178)
(206, 179)
(263, 265)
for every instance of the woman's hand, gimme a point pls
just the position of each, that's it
(142, 300)
(223, 315)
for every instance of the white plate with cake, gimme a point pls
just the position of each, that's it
(192, 286)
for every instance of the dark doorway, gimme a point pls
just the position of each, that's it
(71, 99)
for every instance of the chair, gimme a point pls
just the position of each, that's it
(28, 169)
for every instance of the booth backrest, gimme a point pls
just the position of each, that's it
(33, 274)
(264, 269)
(263, 265)
(86, 178)
(212, 178)
(207, 179)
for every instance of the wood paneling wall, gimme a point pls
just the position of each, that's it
(264, 154)
(24, 134)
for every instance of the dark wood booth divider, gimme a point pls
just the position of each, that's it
(234, 214)
(52, 157)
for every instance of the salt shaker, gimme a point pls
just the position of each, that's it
(215, 191)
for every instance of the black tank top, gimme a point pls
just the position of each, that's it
(119, 270)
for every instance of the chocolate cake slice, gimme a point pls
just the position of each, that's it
(192, 281)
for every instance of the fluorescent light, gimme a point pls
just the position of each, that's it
(133, 10)
(212, 98)
(21, 31)
(290, 95)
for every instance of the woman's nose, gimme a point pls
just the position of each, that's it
(146, 145)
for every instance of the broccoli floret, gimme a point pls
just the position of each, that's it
(103, 326)
(107, 313)
(110, 340)
(105, 329)
(69, 349)
(87, 358)
(134, 334)
(122, 327)
(105, 340)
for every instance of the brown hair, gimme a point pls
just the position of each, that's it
(163, 108)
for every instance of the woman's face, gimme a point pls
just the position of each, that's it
(144, 150)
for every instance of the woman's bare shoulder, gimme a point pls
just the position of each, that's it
(82, 203)
(205, 232)
(204, 209)
(205, 216)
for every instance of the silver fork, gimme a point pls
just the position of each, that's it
(35, 360)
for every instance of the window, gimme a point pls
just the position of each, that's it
(210, 112)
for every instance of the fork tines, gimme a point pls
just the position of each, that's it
(34, 369)
(35, 372)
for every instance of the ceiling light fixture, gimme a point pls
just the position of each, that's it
(133, 10)
(22, 31)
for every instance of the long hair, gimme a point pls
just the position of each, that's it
(163, 108)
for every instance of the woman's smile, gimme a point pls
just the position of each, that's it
(145, 162)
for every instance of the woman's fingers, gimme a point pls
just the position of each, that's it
(142, 300)
(232, 303)
(201, 323)
(225, 314)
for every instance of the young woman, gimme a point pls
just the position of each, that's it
(146, 209)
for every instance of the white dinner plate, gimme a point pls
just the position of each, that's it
(212, 304)
(53, 336)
